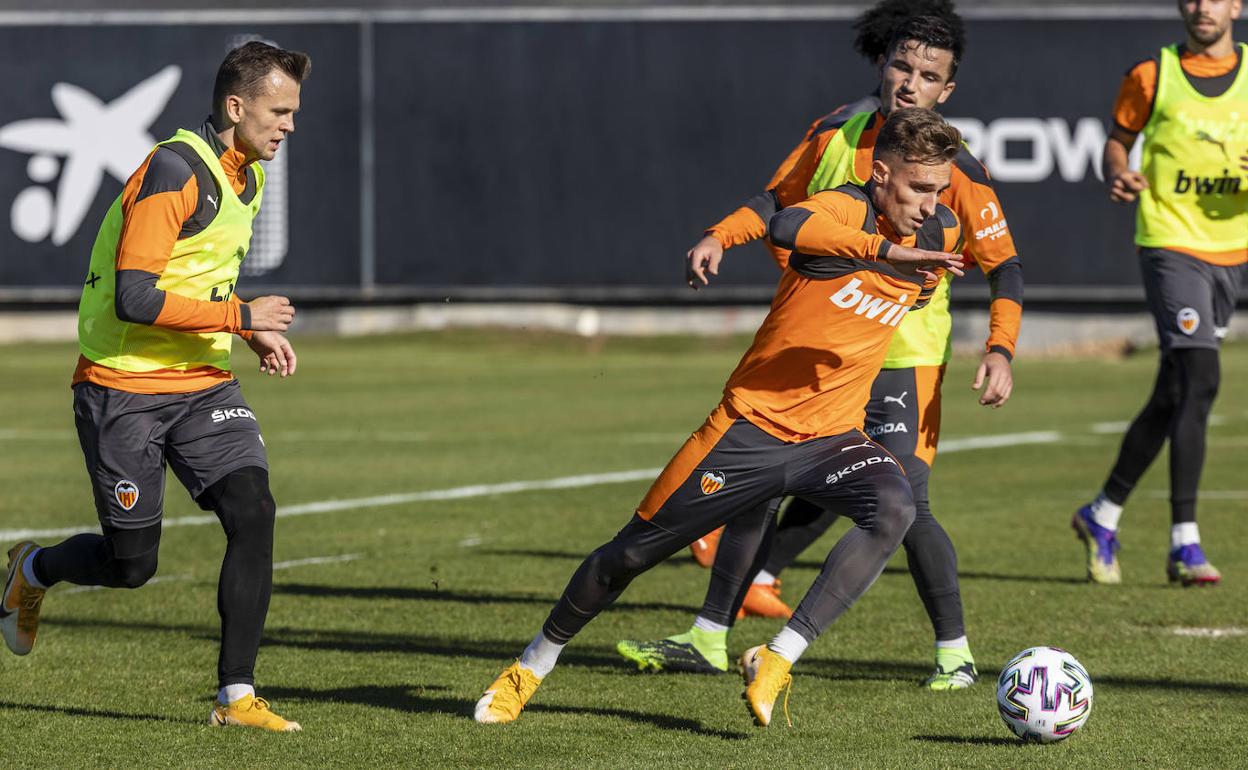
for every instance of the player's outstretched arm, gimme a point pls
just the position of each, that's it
(276, 354)
(921, 262)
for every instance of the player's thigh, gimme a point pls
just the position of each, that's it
(1226, 285)
(216, 435)
(727, 468)
(853, 476)
(122, 437)
(894, 411)
(1180, 291)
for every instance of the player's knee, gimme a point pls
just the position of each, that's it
(244, 503)
(1201, 377)
(895, 508)
(135, 571)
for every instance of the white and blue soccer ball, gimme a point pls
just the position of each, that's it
(1044, 694)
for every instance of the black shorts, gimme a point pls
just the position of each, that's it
(127, 438)
(1190, 299)
(730, 466)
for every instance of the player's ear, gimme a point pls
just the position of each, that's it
(946, 92)
(233, 109)
(879, 172)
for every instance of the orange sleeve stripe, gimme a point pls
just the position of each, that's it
(687, 459)
(738, 228)
(199, 316)
(834, 228)
(1005, 317)
(793, 188)
(786, 166)
(150, 226)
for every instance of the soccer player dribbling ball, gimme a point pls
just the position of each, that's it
(153, 384)
(1190, 103)
(918, 65)
(788, 423)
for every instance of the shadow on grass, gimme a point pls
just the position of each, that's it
(445, 595)
(496, 651)
(599, 658)
(76, 711)
(680, 561)
(976, 740)
(423, 699)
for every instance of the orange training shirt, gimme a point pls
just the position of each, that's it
(970, 196)
(809, 371)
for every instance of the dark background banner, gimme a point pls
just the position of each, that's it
(580, 157)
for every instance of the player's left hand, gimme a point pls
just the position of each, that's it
(275, 352)
(996, 371)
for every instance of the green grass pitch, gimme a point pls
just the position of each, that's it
(381, 645)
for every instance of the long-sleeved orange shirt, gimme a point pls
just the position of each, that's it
(809, 371)
(970, 196)
(162, 203)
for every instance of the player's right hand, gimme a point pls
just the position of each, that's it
(921, 262)
(271, 314)
(1126, 186)
(702, 259)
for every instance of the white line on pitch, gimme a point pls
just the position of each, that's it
(315, 560)
(329, 506)
(1210, 633)
(510, 487)
(276, 566)
(1003, 440)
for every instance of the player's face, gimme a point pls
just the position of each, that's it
(1208, 21)
(263, 121)
(906, 192)
(915, 75)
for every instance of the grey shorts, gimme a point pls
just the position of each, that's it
(127, 439)
(1191, 300)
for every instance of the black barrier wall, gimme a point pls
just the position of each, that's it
(578, 157)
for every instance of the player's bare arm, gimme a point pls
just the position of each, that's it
(1125, 185)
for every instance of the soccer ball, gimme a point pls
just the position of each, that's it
(1044, 694)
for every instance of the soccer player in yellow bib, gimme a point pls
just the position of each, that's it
(153, 383)
(1190, 103)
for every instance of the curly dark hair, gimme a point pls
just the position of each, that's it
(932, 32)
(874, 28)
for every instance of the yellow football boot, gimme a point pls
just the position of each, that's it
(20, 603)
(765, 674)
(250, 711)
(508, 695)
